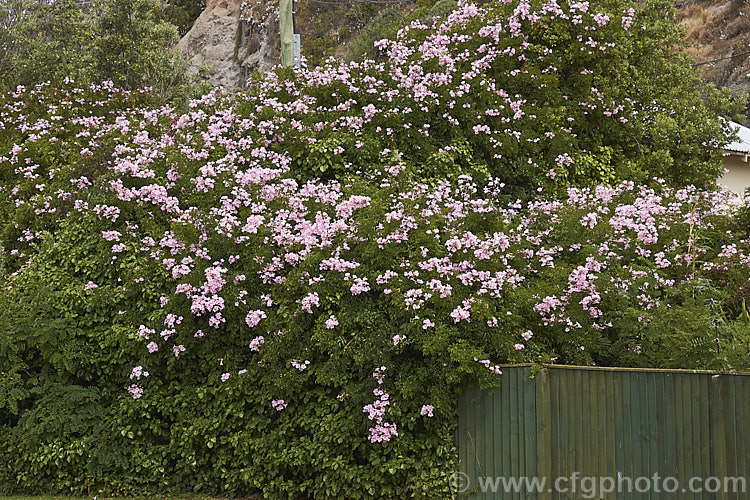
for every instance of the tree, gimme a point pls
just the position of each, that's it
(182, 13)
(44, 40)
(128, 42)
(133, 47)
(10, 13)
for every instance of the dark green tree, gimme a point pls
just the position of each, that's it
(10, 14)
(182, 13)
(129, 42)
(43, 40)
(133, 47)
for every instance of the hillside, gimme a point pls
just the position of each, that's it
(232, 38)
(719, 32)
(282, 292)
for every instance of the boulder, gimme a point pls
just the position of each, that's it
(231, 39)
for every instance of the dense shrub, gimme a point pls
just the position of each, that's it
(127, 41)
(272, 292)
(536, 95)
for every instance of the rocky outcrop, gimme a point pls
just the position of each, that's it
(230, 39)
(718, 34)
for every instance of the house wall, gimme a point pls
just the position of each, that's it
(738, 177)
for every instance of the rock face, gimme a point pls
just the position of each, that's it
(718, 34)
(231, 38)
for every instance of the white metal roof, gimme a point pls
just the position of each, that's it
(742, 143)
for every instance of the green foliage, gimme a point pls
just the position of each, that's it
(387, 22)
(70, 426)
(593, 104)
(327, 26)
(128, 42)
(75, 313)
(183, 13)
(44, 41)
(384, 25)
(134, 48)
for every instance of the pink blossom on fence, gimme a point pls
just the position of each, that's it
(300, 365)
(382, 431)
(138, 372)
(309, 301)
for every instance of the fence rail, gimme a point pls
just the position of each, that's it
(580, 432)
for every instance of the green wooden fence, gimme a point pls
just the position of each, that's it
(604, 433)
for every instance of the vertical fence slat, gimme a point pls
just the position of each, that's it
(661, 425)
(514, 440)
(522, 437)
(742, 416)
(645, 443)
(500, 426)
(718, 448)
(471, 461)
(490, 428)
(479, 432)
(588, 412)
(670, 425)
(653, 412)
(705, 426)
(570, 422)
(507, 438)
(695, 418)
(731, 427)
(686, 434)
(485, 441)
(597, 439)
(544, 408)
(555, 426)
(612, 443)
(679, 416)
(632, 410)
(577, 395)
(530, 419)
(619, 423)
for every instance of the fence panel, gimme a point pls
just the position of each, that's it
(610, 433)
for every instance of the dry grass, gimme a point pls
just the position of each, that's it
(715, 29)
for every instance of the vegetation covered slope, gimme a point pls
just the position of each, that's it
(128, 42)
(283, 291)
(718, 31)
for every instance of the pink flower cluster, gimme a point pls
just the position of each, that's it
(382, 431)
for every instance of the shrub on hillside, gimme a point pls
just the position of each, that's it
(538, 95)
